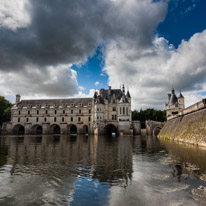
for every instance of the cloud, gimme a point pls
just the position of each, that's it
(38, 35)
(33, 82)
(150, 73)
(81, 88)
(14, 14)
(96, 83)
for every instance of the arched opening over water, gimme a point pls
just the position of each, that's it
(72, 129)
(156, 130)
(19, 129)
(37, 129)
(85, 129)
(55, 129)
(110, 129)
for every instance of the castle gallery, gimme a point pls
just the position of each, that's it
(107, 112)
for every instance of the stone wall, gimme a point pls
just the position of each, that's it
(190, 128)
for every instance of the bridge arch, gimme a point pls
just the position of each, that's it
(19, 129)
(72, 129)
(110, 129)
(37, 129)
(156, 130)
(85, 129)
(55, 129)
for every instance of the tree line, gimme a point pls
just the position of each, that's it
(149, 114)
(5, 110)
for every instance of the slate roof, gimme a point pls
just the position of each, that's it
(59, 102)
(173, 98)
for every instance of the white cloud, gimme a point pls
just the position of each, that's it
(14, 14)
(96, 83)
(81, 88)
(150, 73)
(32, 82)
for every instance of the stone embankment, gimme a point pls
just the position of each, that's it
(189, 127)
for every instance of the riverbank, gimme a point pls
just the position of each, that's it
(190, 128)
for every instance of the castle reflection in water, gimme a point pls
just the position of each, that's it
(93, 156)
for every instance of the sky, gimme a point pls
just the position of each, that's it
(64, 49)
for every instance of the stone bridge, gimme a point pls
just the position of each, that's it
(153, 127)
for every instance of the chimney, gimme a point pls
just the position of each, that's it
(169, 96)
(109, 90)
(18, 97)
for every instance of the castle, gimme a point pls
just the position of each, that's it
(106, 113)
(175, 104)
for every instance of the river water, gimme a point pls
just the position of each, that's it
(80, 170)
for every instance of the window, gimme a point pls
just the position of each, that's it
(71, 119)
(114, 117)
(79, 119)
(46, 111)
(114, 109)
(19, 112)
(45, 119)
(55, 111)
(18, 119)
(127, 110)
(72, 111)
(37, 112)
(62, 119)
(89, 110)
(97, 109)
(89, 118)
(27, 119)
(97, 117)
(80, 111)
(55, 119)
(28, 111)
(113, 101)
(63, 111)
(37, 119)
(123, 110)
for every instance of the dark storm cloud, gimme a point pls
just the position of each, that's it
(68, 31)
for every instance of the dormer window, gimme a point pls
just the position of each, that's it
(80, 104)
(29, 106)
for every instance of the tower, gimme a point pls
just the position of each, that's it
(175, 105)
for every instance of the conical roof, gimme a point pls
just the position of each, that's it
(128, 94)
(173, 98)
(180, 95)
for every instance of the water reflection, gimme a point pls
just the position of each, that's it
(100, 170)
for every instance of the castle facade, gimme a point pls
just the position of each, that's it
(109, 111)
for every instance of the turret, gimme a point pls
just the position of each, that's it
(109, 90)
(18, 98)
(181, 101)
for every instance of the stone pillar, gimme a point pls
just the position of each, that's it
(46, 128)
(136, 127)
(63, 128)
(27, 127)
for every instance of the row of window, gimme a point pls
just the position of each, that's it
(123, 110)
(56, 105)
(55, 111)
(55, 119)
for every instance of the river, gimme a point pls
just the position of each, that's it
(100, 170)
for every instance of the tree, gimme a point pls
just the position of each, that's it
(5, 110)
(149, 114)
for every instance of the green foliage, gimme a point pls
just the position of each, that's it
(5, 110)
(149, 114)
